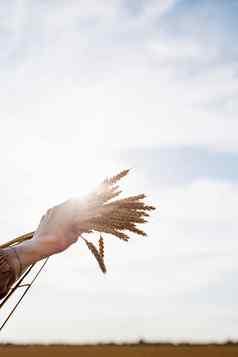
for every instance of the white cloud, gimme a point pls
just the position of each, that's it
(202, 201)
(134, 77)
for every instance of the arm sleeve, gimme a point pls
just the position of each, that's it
(8, 272)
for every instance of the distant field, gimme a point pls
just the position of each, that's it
(139, 350)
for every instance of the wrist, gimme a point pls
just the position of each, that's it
(29, 252)
(49, 244)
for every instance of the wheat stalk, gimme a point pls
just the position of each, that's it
(101, 246)
(96, 254)
(101, 214)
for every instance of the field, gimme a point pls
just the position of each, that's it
(136, 350)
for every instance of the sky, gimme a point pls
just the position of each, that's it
(89, 88)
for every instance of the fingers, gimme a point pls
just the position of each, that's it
(70, 204)
(69, 210)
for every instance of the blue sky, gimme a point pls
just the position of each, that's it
(89, 88)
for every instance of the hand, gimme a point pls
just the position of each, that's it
(57, 230)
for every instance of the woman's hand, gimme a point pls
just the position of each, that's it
(57, 231)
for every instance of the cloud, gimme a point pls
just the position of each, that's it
(178, 165)
(148, 87)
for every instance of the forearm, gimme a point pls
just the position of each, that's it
(29, 252)
(35, 249)
(15, 260)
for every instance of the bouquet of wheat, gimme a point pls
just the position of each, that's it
(100, 213)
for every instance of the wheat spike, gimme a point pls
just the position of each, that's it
(110, 230)
(112, 180)
(101, 246)
(96, 254)
(134, 229)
